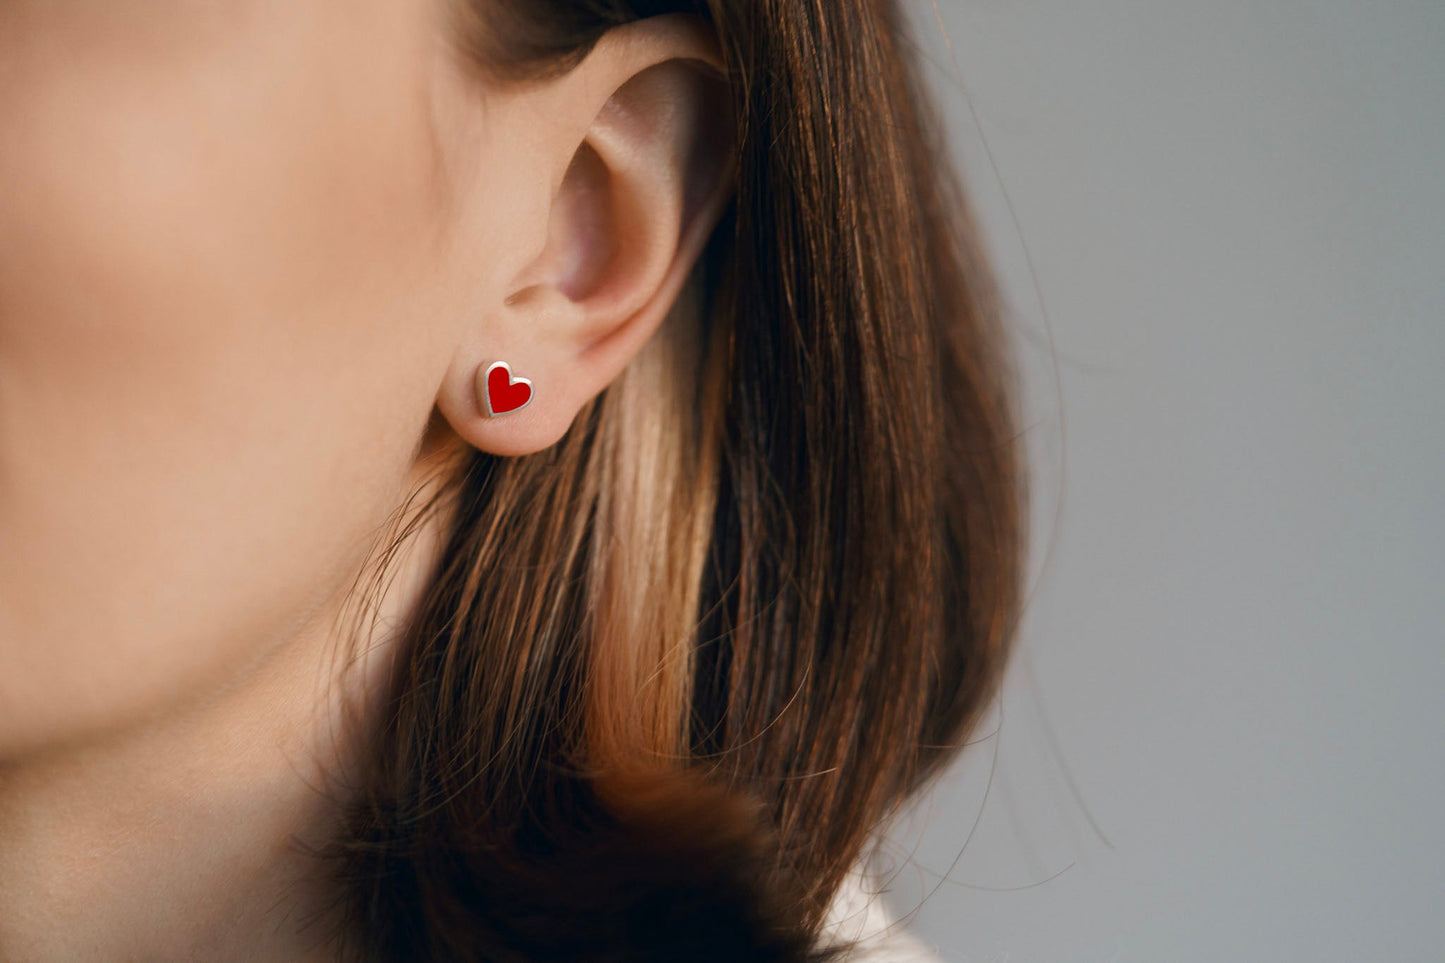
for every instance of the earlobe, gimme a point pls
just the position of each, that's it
(510, 409)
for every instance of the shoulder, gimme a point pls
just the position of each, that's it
(859, 913)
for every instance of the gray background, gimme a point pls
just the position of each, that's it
(1221, 739)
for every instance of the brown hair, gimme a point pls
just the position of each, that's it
(672, 673)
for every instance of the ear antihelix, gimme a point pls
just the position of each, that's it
(500, 392)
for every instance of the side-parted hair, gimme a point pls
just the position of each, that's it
(672, 673)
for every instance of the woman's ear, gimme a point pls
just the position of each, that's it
(631, 159)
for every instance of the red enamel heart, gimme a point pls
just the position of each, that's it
(504, 393)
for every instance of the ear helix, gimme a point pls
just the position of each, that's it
(499, 392)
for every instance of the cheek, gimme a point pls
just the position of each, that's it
(217, 347)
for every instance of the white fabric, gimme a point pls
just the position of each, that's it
(859, 913)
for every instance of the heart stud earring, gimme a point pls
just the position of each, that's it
(501, 393)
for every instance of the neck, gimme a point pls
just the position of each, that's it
(185, 837)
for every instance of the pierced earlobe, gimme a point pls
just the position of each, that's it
(499, 392)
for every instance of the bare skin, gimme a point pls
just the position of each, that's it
(252, 256)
